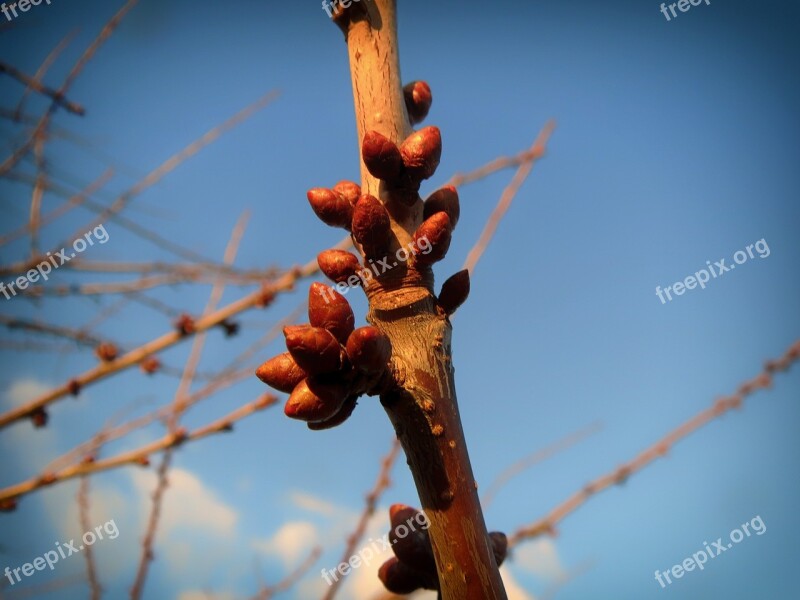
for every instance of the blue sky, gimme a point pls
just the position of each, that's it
(676, 145)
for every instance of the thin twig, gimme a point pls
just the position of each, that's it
(292, 578)
(537, 457)
(507, 197)
(660, 449)
(37, 86)
(381, 484)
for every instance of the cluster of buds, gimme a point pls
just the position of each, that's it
(329, 362)
(413, 566)
(106, 351)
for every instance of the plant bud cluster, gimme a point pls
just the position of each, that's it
(413, 566)
(329, 362)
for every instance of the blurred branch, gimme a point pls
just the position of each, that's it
(290, 580)
(381, 484)
(139, 456)
(535, 458)
(37, 86)
(536, 151)
(660, 449)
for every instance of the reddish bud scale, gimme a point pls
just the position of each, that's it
(421, 153)
(454, 292)
(332, 208)
(314, 349)
(399, 578)
(446, 200)
(106, 352)
(150, 365)
(340, 417)
(418, 98)
(410, 541)
(328, 309)
(499, 546)
(437, 232)
(371, 225)
(185, 325)
(39, 417)
(281, 372)
(338, 265)
(349, 190)
(369, 349)
(8, 504)
(381, 156)
(315, 399)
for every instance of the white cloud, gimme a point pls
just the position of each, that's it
(291, 543)
(24, 390)
(187, 504)
(313, 504)
(513, 590)
(540, 558)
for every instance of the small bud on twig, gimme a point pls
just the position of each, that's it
(369, 349)
(332, 208)
(340, 417)
(328, 309)
(185, 325)
(106, 352)
(418, 98)
(150, 365)
(315, 399)
(39, 417)
(410, 541)
(349, 190)
(231, 328)
(444, 199)
(454, 292)
(281, 372)
(314, 349)
(399, 578)
(338, 265)
(499, 546)
(437, 232)
(381, 156)
(421, 152)
(371, 225)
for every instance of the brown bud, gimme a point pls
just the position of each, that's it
(142, 461)
(371, 225)
(106, 352)
(409, 538)
(339, 265)
(74, 387)
(499, 546)
(314, 349)
(315, 399)
(444, 199)
(332, 208)
(8, 504)
(328, 309)
(454, 292)
(349, 190)
(231, 328)
(39, 417)
(421, 153)
(399, 578)
(185, 325)
(266, 296)
(418, 97)
(340, 417)
(281, 372)
(150, 365)
(432, 239)
(369, 349)
(381, 156)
